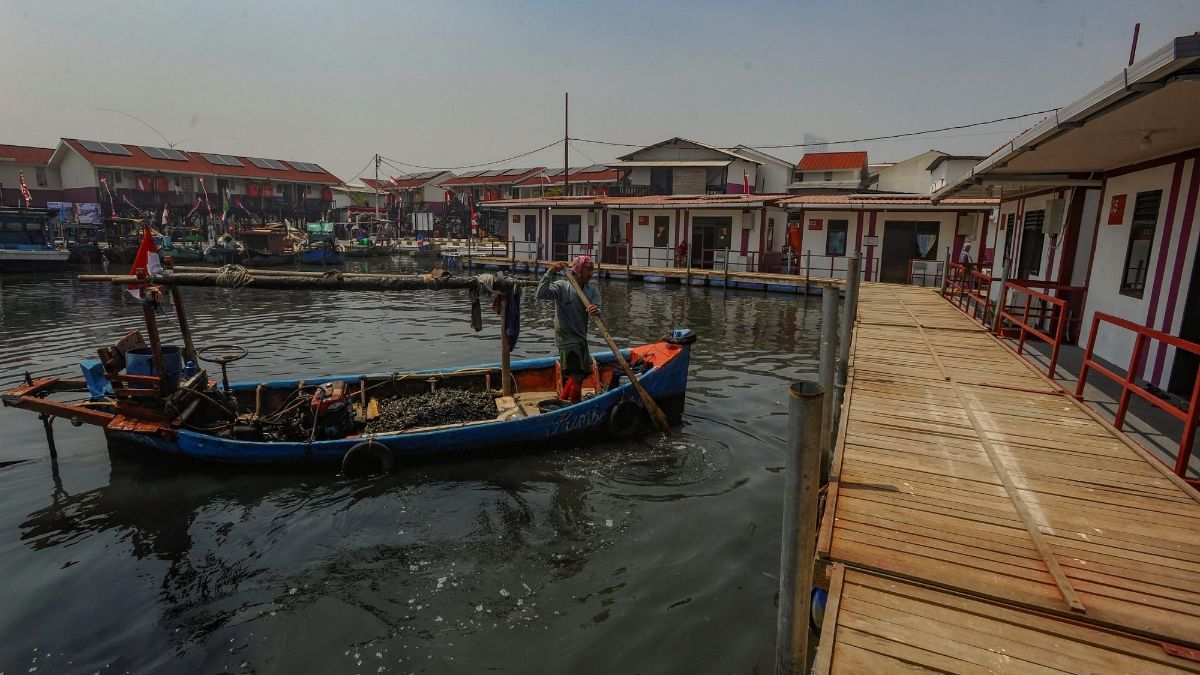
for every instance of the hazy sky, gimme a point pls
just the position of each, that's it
(448, 83)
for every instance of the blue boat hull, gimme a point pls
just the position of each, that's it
(666, 384)
(321, 257)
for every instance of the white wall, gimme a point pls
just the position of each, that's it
(10, 176)
(909, 176)
(76, 172)
(1112, 242)
(948, 170)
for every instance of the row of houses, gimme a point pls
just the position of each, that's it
(122, 179)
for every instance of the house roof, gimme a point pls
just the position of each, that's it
(25, 154)
(832, 161)
(753, 152)
(945, 158)
(877, 201)
(1145, 111)
(193, 162)
(649, 202)
(591, 174)
(405, 182)
(679, 139)
(491, 177)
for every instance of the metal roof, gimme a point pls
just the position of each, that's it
(671, 162)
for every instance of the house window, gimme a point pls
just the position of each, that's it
(662, 228)
(835, 238)
(798, 177)
(828, 175)
(1141, 242)
(40, 176)
(530, 228)
(615, 233)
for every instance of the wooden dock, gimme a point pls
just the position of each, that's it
(979, 519)
(777, 283)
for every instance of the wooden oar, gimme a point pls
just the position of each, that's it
(656, 413)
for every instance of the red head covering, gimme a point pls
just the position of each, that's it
(580, 261)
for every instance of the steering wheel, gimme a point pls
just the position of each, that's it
(229, 354)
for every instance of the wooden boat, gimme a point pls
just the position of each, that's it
(225, 251)
(25, 242)
(321, 253)
(320, 420)
(268, 247)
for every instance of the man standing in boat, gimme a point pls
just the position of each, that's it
(571, 321)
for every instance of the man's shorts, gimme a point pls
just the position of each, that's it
(575, 359)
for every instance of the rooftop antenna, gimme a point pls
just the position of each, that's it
(147, 124)
(1137, 28)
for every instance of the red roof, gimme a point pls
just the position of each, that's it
(605, 176)
(400, 183)
(194, 163)
(480, 178)
(883, 199)
(26, 154)
(832, 161)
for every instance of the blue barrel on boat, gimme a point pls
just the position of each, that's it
(140, 361)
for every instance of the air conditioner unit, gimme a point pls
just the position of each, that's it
(968, 225)
(1056, 214)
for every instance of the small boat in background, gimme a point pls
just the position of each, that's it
(25, 243)
(225, 251)
(322, 247)
(267, 246)
(83, 241)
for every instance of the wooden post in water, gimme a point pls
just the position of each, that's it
(807, 270)
(505, 370)
(802, 480)
(155, 343)
(181, 316)
(826, 370)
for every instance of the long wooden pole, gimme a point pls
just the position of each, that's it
(656, 413)
(505, 370)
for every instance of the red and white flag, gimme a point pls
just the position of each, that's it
(24, 189)
(146, 259)
(164, 215)
(207, 204)
(474, 221)
(745, 182)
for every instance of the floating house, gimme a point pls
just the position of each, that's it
(1098, 202)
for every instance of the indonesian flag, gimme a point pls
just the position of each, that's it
(449, 197)
(24, 189)
(146, 259)
(207, 204)
(474, 221)
(189, 215)
(745, 182)
(164, 215)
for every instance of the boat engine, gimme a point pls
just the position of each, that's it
(330, 412)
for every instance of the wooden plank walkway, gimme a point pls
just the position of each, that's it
(788, 283)
(960, 467)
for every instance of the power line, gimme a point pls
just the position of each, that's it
(397, 163)
(852, 140)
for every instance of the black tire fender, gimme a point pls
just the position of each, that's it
(625, 418)
(367, 458)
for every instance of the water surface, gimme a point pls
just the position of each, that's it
(651, 555)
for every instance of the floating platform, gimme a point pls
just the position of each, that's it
(980, 518)
(758, 281)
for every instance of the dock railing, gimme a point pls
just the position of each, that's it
(969, 288)
(1050, 310)
(1129, 385)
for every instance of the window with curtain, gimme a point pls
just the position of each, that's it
(835, 237)
(1141, 243)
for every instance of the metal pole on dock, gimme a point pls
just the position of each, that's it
(807, 270)
(1003, 295)
(849, 311)
(802, 480)
(826, 370)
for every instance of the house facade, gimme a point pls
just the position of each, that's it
(830, 173)
(45, 184)
(679, 166)
(596, 181)
(1099, 201)
(126, 179)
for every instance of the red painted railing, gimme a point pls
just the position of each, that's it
(1129, 387)
(969, 289)
(1027, 323)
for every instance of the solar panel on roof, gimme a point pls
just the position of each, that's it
(495, 172)
(106, 148)
(267, 163)
(306, 167)
(163, 153)
(516, 172)
(221, 160)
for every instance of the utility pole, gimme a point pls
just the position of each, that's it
(377, 189)
(566, 142)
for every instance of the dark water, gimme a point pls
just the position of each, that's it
(656, 555)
